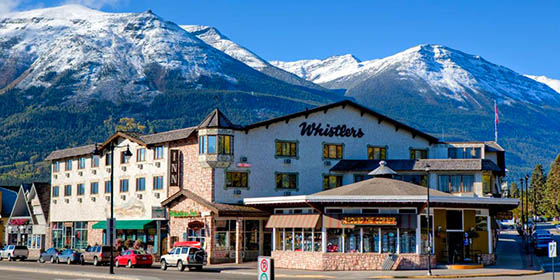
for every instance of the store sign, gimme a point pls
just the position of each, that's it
(183, 214)
(504, 215)
(372, 221)
(158, 213)
(174, 169)
(18, 222)
(314, 129)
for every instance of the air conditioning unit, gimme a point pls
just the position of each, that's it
(108, 198)
(94, 172)
(67, 200)
(243, 159)
(56, 176)
(123, 168)
(156, 195)
(287, 161)
(123, 197)
(237, 192)
(108, 170)
(80, 173)
(67, 175)
(54, 201)
(328, 163)
(287, 193)
(79, 200)
(158, 164)
(93, 199)
(139, 196)
(140, 166)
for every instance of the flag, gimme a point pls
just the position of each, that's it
(496, 113)
(496, 121)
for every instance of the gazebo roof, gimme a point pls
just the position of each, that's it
(379, 187)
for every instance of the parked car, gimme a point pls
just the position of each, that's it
(14, 252)
(184, 256)
(134, 258)
(98, 255)
(69, 256)
(49, 255)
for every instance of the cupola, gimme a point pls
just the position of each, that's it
(383, 171)
(215, 140)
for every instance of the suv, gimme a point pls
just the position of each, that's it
(184, 256)
(97, 255)
(13, 252)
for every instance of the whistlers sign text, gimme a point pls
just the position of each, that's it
(314, 129)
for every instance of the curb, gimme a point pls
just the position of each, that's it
(279, 275)
(66, 273)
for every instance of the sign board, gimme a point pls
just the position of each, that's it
(552, 249)
(158, 213)
(265, 268)
(174, 169)
(375, 221)
(183, 214)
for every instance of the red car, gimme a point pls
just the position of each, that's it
(134, 258)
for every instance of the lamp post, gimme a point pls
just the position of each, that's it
(127, 153)
(522, 209)
(529, 230)
(429, 224)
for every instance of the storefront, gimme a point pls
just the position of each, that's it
(144, 230)
(379, 224)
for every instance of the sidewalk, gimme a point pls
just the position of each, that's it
(511, 262)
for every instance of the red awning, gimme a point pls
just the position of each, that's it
(293, 221)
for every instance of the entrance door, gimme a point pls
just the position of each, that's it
(455, 247)
(68, 237)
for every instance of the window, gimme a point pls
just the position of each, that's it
(418, 153)
(201, 145)
(407, 240)
(55, 191)
(361, 177)
(237, 179)
(463, 152)
(140, 184)
(211, 144)
(415, 179)
(56, 166)
(141, 155)
(454, 219)
(424, 232)
(124, 158)
(57, 234)
(334, 240)
(196, 235)
(107, 186)
(487, 182)
(94, 188)
(108, 159)
(225, 144)
(225, 234)
(68, 190)
(371, 239)
(158, 182)
(95, 161)
(379, 153)
(82, 163)
(123, 186)
(286, 149)
(80, 235)
(331, 181)
(388, 240)
(286, 181)
(80, 189)
(158, 152)
(352, 240)
(68, 165)
(455, 183)
(332, 151)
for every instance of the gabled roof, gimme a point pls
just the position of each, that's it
(418, 165)
(8, 200)
(71, 152)
(43, 192)
(132, 136)
(168, 136)
(343, 104)
(379, 187)
(216, 119)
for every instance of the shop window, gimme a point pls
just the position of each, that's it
(332, 181)
(286, 148)
(424, 232)
(378, 153)
(158, 152)
(298, 239)
(68, 165)
(55, 191)
(454, 219)
(407, 240)
(308, 240)
(332, 151)
(95, 161)
(361, 177)
(68, 190)
(317, 241)
(107, 186)
(57, 234)
(56, 166)
(80, 189)
(418, 153)
(289, 241)
(108, 159)
(225, 234)
(237, 179)
(371, 239)
(82, 163)
(481, 223)
(80, 235)
(388, 240)
(352, 242)
(123, 186)
(279, 246)
(286, 181)
(334, 240)
(158, 182)
(140, 184)
(141, 155)
(94, 188)
(251, 235)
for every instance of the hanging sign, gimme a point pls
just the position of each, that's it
(374, 221)
(314, 129)
(174, 169)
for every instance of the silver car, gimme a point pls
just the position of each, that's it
(182, 257)
(14, 252)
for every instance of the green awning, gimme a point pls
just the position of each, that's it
(124, 224)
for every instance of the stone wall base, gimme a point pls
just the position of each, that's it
(488, 259)
(346, 261)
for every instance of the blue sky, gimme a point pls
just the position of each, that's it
(521, 35)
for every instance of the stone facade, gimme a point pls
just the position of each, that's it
(95, 236)
(488, 259)
(346, 261)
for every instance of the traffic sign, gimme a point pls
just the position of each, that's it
(552, 249)
(265, 268)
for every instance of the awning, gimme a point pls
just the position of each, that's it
(123, 224)
(293, 221)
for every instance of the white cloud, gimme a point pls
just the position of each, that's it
(7, 6)
(95, 4)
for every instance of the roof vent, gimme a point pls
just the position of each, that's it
(383, 171)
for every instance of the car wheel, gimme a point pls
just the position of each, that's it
(116, 263)
(180, 266)
(10, 258)
(57, 260)
(95, 262)
(163, 265)
(129, 264)
(68, 261)
(40, 260)
(52, 259)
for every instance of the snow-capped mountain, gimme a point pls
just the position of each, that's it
(213, 37)
(111, 56)
(552, 83)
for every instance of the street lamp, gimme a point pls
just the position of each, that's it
(529, 230)
(522, 209)
(127, 153)
(429, 224)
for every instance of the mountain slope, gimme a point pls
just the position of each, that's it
(213, 37)
(552, 83)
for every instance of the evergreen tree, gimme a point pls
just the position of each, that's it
(537, 191)
(553, 188)
(513, 190)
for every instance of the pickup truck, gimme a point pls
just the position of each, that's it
(13, 252)
(98, 255)
(184, 256)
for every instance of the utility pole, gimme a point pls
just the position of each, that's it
(522, 210)
(429, 224)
